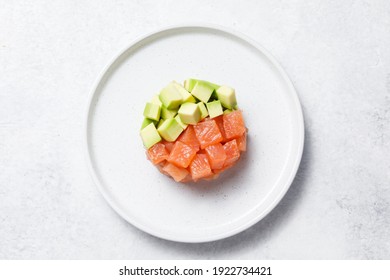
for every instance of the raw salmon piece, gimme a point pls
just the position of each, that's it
(160, 167)
(232, 152)
(207, 133)
(241, 142)
(188, 178)
(200, 167)
(216, 155)
(212, 177)
(157, 153)
(168, 145)
(233, 124)
(177, 173)
(188, 137)
(219, 121)
(181, 154)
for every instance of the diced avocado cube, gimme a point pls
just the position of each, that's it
(146, 122)
(171, 97)
(160, 123)
(189, 84)
(214, 86)
(156, 100)
(189, 113)
(170, 129)
(213, 96)
(179, 121)
(227, 96)
(227, 111)
(214, 108)
(152, 111)
(185, 95)
(202, 91)
(235, 107)
(168, 113)
(150, 135)
(203, 111)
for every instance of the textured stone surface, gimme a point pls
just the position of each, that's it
(336, 53)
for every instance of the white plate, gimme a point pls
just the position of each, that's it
(209, 210)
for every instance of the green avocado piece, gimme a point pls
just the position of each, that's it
(185, 95)
(168, 113)
(214, 86)
(152, 111)
(227, 111)
(146, 122)
(170, 97)
(227, 96)
(170, 129)
(150, 135)
(156, 100)
(213, 96)
(214, 108)
(179, 121)
(202, 91)
(203, 111)
(160, 123)
(189, 113)
(189, 84)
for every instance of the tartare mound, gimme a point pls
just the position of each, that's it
(193, 131)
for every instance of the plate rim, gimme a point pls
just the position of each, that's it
(296, 103)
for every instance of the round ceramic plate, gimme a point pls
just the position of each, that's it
(203, 211)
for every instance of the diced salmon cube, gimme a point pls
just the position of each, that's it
(177, 173)
(157, 153)
(241, 142)
(207, 133)
(200, 167)
(232, 152)
(188, 137)
(233, 124)
(181, 154)
(212, 177)
(219, 121)
(188, 178)
(216, 155)
(168, 145)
